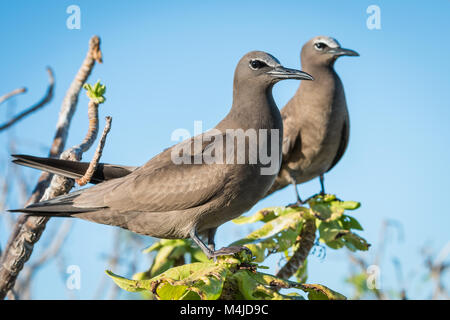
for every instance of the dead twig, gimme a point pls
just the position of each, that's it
(12, 94)
(98, 153)
(48, 96)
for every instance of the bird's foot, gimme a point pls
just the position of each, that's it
(296, 204)
(228, 251)
(325, 196)
(313, 196)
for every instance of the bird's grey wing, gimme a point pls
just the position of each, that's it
(345, 134)
(291, 135)
(158, 186)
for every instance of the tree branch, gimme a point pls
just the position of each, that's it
(304, 243)
(28, 229)
(12, 94)
(48, 96)
(50, 252)
(98, 153)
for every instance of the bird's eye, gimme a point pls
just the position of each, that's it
(257, 64)
(320, 46)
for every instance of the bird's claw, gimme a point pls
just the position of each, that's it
(323, 195)
(228, 251)
(296, 204)
(313, 196)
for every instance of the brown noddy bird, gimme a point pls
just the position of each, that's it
(167, 199)
(315, 121)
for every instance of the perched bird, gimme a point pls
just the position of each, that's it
(166, 198)
(315, 121)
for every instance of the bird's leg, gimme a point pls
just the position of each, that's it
(322, 189)
(213, 254)
(322, 185)
(211, 243)
(297, 195)
(193, 234)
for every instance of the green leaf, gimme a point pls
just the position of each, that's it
(320, 292)
(196, 280)
(349, 223)
(276, 235)
(266, 215)
(198, 255)
(127, 284)
(327, 208)
(355, 242)
(204, 279)
(334, 236)
(260, 286)
(329, 231)
(264, 286)
(170, 252)
(350, 205)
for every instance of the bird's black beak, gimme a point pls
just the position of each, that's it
(281, 72)
(338, 52)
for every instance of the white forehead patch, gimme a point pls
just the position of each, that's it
(270, 60)
(330, 42)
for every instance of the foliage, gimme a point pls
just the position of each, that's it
(96, 92)
(228, 278)
(237, 277)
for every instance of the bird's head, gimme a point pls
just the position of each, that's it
(262, 69)
(323, 50)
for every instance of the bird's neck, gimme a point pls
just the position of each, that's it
(324, 75)
(317, 96)
(253, 107)
(319, 105)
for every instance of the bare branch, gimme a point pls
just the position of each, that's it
(28, 229)
(48, 96)
(98, 153)
(51, 252)
(12, 94)
(70, 100)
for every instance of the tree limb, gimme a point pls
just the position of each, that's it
(98, 153)
(305, 242)
(12, 94)
(46, 99)
(58, 239)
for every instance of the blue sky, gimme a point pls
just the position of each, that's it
(167, 64)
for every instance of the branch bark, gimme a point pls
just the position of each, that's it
(23, 287)
(305, 242)
(28, 229)
(98, 153)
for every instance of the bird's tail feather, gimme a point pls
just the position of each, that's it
(61, 206)
(73, 169)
